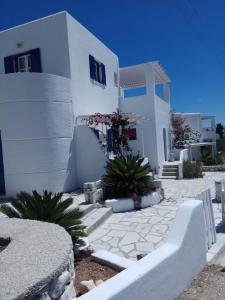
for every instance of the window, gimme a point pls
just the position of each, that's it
(132, 134)
(24, 63)
(29, 61)
(97, 70)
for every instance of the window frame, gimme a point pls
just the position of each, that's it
(97, 71)
(27, 61)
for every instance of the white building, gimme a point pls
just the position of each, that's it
(205, 126)
(52, 71)
(153, 134)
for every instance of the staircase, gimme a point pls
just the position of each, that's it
(170, 171)
(94, 216)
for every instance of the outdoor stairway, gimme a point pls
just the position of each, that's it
(170, 171)
(94, 216)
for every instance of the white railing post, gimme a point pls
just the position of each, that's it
(222, 195)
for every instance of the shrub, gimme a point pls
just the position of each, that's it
(192, 169)
(208, 160)
(48, 208)
(221, 145)
(126, 176)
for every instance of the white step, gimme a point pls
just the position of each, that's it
(86, 208)
(95, 217)
(168, 177)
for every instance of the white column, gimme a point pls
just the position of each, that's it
(150, 127)
(166, 92)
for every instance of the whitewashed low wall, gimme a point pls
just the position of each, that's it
(127, 204)
(166, 272)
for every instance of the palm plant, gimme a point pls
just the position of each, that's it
(127, 176)
(48, 208)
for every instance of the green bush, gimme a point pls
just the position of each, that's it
(126, 176)
(221, 145)
(207, 159)
(48, 208)
(192, 169)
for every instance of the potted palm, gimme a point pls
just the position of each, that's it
(126, 182)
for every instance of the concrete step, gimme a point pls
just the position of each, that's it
(171, 166)
(95, 217)
(168, 177)
(86, 208)
(169, 173)
(166, 169)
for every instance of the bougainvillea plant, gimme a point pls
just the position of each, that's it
(118, 124)
(183, 135)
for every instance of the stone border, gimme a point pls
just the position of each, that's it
(127, 204)
(38, 262)
(112, 260)
(218, 168)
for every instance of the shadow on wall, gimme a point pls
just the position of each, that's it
(87, 160)
(71, 178)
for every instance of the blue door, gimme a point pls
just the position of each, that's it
(2, 177)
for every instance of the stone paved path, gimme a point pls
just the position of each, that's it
(138, 232)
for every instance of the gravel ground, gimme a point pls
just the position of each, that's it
(209, 285)
(86, 269)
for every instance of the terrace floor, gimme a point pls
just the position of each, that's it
(140, 232)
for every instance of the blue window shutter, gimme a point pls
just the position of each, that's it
(103, 75)
(92, 67)
(9, 64)
(109, 140)
(35, 56)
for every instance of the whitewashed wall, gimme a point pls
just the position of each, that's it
(140, 105)
(167, 271)
(89, 97)
(162, 111)
(49, 34)
(90, 159)
(36, 124)
(149, 133)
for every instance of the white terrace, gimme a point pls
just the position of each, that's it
(145, 75)
(149, 97)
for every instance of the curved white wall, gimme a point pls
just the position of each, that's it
(166, 272)
(36, 123)
(90, 159)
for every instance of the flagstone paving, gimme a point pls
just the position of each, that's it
(138, 232)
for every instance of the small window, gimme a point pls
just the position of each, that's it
(132, 134)
(29, 61)
(24, 63)
(97, 70)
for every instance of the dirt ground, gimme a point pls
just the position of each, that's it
(86, 269)
(209, 285)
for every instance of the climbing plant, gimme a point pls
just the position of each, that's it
(183, 134)
(118, 124)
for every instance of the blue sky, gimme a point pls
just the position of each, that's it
(186, 36)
